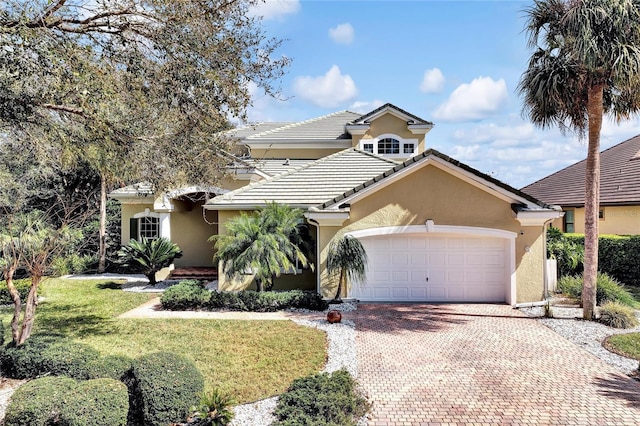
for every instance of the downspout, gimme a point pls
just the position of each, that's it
(317, 226)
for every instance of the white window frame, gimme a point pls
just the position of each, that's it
(402, 143)
(164, 224)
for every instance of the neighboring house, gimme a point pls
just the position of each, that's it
(434, 228)
(619, 191)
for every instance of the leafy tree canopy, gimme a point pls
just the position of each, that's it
(139, 88)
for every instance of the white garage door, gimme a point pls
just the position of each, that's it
(411, 268)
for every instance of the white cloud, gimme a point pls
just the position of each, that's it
(364, 107)
(327, 91)
(481, 98)
(342, 34)
(433, 81)
(495, 134)
(275, 9)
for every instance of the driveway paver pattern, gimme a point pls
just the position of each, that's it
(445, 364)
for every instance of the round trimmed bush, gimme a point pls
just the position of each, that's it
(186, 295)
(163, 387)
(22, 285)
(95, 402)
(47, 354)
(111, 366)
(617, 315)
(37, 402)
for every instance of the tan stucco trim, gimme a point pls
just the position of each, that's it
(431, 228)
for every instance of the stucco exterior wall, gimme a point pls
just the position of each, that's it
(386, 124)
(191, 232)
(620, 220)
(304, 281)
(126, 213)
(433, 194)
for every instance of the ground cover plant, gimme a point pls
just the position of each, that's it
(320, 400)
(249, 360)
(617, 315)
(624, 344)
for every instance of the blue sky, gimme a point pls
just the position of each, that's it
(455, 63)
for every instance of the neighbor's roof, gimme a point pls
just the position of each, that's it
(327, 127)
(619, 179)
(311, 184)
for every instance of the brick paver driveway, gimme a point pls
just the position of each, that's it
(483, 365)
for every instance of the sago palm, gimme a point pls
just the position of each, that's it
(149, 256)
(585, 63)
(348, 259)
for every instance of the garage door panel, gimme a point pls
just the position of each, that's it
(459, 269)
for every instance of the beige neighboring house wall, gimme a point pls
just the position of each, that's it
(616, 220)
(403, 204)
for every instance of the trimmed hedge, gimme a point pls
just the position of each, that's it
(607, 289)
(37, 402)
(162, 387)
(48, 355)
(22, 285)
(111, 366)
(186, 295)
(617, 256)
(321, 400)
(63, 401)
(189, 294)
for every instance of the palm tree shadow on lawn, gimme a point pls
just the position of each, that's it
(64, 321)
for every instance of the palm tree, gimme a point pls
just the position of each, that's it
(348, 258)
(265, 243)
(586, 62)
(149, 256)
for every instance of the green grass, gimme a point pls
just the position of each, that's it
(624, 344)
(250, 360)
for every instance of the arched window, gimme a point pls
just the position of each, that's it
(388, 146)
(145, 224)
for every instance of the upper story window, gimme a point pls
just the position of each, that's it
(390, 145)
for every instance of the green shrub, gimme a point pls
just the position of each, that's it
(111, 366)
(96, 402)
(569, 254)
(608, 289)
(614, 314)
(617, 256)
(23, 286)
(73, 264)
(266, 301)
(214, 410)
(186, 295)
(37, 402)
(47, 355)
(163, 386)
(321, 399)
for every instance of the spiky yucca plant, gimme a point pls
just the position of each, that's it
(148, 256)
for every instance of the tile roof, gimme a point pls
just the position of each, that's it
(432, 152)
(619, 179)
(255, 128)
(415, 118)
(276, 166)
(311, 184)
(327, 127)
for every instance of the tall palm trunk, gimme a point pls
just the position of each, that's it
(592, 201)
(102, 232)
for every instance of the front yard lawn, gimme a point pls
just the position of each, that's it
(624, 344)
(249, 360)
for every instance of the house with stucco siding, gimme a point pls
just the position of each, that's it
(435, 229)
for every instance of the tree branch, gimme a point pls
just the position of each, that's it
(64, 108)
